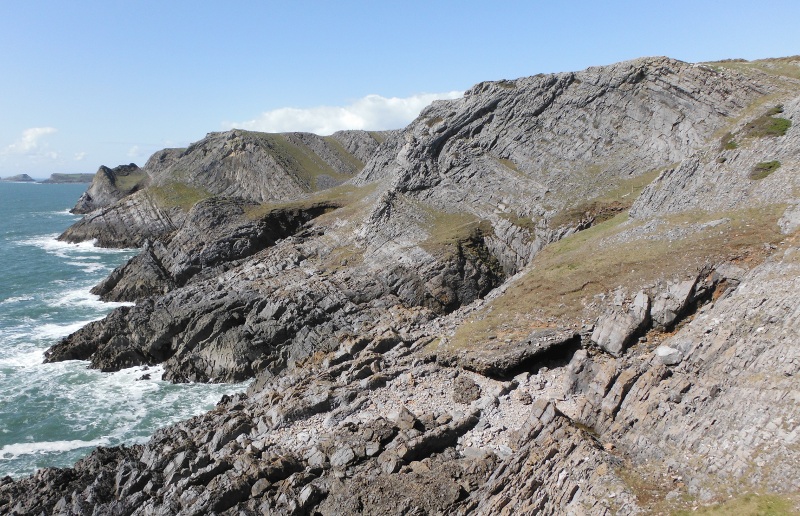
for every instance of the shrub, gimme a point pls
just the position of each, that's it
(763, 169)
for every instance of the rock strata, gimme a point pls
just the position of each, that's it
(110, 185)
(614, 362)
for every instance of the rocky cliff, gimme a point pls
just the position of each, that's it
(564, 294)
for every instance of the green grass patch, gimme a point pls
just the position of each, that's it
(767, 125)
(763, 169)
(177, 195)
(609, 203)
(377, 136)
(299, 160)
(131, 182)
(347, 198)
(778, 67)
(727, 142)
(566, 275)
(521, 222)
(353, 163)
(447, 229)
(747, 505)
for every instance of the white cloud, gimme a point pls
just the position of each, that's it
(134, 152)
(29, 143)
(372, 112)
(79, 156)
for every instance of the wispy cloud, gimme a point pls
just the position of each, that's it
(135, 152)
(30, 143)
(372, 112)
(79, 156)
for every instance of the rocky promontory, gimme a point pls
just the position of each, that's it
(69, 178)
(573, 293)
(19, 178)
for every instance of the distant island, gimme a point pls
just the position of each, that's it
(19, 178)
(69, 178)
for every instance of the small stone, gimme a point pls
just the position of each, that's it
(668, 356)
(342, 457)
(259, 487)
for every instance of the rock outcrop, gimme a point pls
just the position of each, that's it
(563, 294)
(20, 178)
(110, 185)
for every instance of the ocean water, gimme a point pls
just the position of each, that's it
(54, 414)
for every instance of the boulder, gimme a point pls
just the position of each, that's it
(615, 331)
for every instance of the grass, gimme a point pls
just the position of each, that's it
(767, 125)
(449, 229)
(521, 222)
(780, 67)
(341, 196)
(177, 195)
(377, 136)
(609, 203)
(763, 169)
(298, 159)
(566, 276)
(727, 142)
(354, 163)
(130, 182)
(747, 505)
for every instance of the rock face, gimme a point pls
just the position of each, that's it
(639, 356)
(253, 166)
(110, 185)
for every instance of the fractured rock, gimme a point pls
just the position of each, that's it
(616, 330)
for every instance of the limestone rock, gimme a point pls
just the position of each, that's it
(110, 185)
(615, 331)
(668, 356)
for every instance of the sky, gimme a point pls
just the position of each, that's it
(91, 83)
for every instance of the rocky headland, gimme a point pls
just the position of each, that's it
(19, 178)
(563, 294)
(69, 178)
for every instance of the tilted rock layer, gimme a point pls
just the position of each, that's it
(564, 294)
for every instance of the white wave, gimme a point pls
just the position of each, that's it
(51, 244)
(56, 331)
(88, 267)
(87, 257)
(82, 297)
(11, 451)
(23, 359)
(17, 299)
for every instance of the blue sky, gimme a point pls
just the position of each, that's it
(92, 83)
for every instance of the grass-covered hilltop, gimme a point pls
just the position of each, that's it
(575, 293)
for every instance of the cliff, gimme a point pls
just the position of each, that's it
(69, 178)
(570, 293)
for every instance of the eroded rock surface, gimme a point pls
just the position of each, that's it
(675, 388)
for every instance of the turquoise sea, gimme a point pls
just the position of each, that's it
(54, 414)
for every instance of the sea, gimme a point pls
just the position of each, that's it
(52, 415)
